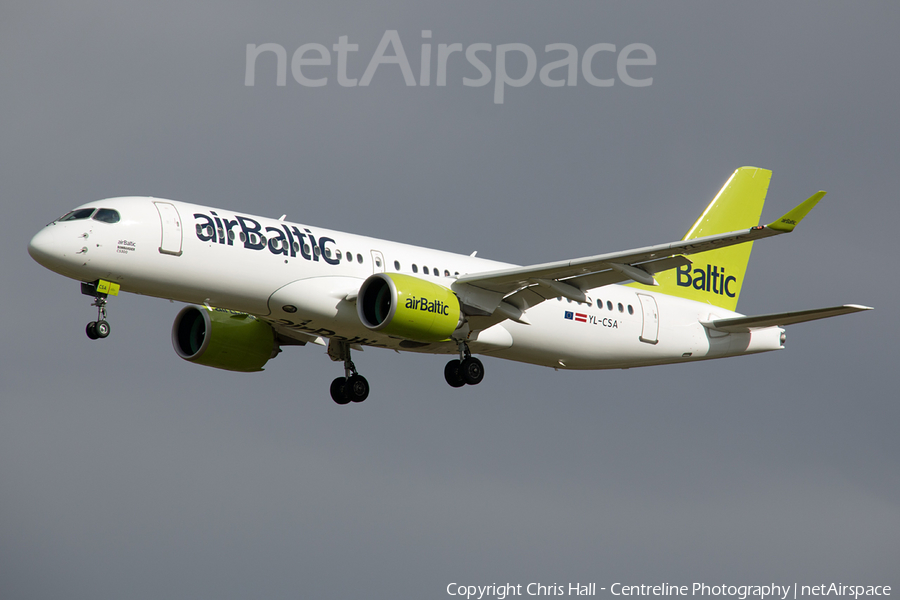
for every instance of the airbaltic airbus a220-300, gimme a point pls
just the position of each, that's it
(257, 284)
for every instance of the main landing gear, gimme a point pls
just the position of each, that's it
(352, 387)
(465, 370)
(98, 329)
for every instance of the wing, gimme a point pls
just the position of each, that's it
(510, 292)
(289, 336)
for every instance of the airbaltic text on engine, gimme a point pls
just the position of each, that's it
(424, 304)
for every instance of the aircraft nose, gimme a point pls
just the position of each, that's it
(46, 249)
(40, 246)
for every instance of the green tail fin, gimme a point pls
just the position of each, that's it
(716, 276)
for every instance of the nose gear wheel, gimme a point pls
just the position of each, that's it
(100, 328)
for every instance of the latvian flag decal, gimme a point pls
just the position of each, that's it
(580, 317)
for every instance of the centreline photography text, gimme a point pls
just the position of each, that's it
(700, 589)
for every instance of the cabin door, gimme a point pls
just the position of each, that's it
(170, 223)
(650, 330)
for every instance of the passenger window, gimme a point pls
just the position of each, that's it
(425, 270)
(337, 254)
(359, 258)
(415, 268)
(608, 305)
(396, 265)
(446, 273)
(107, 215)
(77, 215)
(621, 308)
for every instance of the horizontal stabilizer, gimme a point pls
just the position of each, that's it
(745, 324)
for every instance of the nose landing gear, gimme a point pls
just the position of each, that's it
(100, 328)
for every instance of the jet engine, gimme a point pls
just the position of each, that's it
(408, 307)
(223, 339)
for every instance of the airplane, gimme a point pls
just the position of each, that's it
(255, 284)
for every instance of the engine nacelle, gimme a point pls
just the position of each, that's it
(223, 339)
(408, 307)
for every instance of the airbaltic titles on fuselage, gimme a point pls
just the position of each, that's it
(286, 240)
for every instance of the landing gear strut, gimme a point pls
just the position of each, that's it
(352, 387)
(100, 328)
(466, 370)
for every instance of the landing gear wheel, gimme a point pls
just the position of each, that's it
(471, 370)
(352, 387)
(453, 375)
(337, 391)
(356, 388)
(102, 329)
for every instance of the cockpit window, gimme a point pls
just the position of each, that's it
(77, 215)
(107, 215)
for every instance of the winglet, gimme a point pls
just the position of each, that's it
(794, 216)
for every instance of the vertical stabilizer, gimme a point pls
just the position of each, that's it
(716, 277)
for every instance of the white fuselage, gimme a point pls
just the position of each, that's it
(304, 279)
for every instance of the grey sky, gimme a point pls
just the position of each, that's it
(127, 472)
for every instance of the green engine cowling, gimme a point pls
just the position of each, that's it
(408, 307)
(223, 339)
